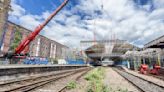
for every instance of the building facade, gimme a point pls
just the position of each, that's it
(40, 46)
(12, 34)
(4, 8)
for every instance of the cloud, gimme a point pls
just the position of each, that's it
(17, 10)
(135, 22)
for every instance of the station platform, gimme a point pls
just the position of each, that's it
(32, 66)
(9, 70)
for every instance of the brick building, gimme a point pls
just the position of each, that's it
(40, 46)
(11, 33)
(4, 8)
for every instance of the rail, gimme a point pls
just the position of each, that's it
(140, 83)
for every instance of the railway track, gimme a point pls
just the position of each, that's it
(77, 79)
(33, 83)
(142, 84)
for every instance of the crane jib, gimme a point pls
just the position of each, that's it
(32, 36)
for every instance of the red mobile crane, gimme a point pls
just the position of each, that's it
(32, 35)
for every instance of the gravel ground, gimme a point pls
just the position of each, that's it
(149, 78)
(117, 83)
(82, 85)
(57, 85)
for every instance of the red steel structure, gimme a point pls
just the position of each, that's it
(32, 35)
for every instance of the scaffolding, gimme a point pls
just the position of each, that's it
(149, 56)
(105, 48)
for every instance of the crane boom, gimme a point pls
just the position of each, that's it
(32, 36)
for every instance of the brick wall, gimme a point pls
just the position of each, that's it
(8, 38)
(35, 47)
(53, 50)
(45, 44)
(4, 8)
(40, 46)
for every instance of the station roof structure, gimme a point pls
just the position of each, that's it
(156, 43)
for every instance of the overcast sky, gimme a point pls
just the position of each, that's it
(137, 21)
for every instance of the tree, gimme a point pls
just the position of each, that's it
(17, 39)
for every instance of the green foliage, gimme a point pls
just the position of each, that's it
(71, 85)
(122, 90)
(105, 88)
(97, 87)
(95, 78)
(55, 61)
(96, 74)
(17, 39)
